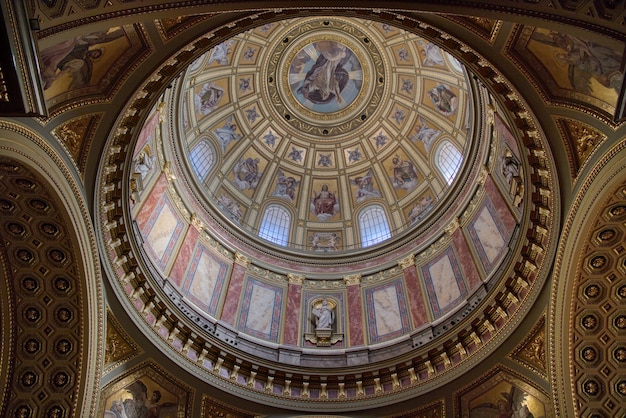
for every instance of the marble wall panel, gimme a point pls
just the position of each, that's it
(261, 309)
(444, 282)
(501, 207)
(151, 201)
(162, 231)
(183, 258)
(488, 235)
(387, 313)
(204, 282)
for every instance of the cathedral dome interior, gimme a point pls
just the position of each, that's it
(215, 210)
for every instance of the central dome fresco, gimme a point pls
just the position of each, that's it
(324, 134)
(325, 210)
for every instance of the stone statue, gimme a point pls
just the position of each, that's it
(324, 316)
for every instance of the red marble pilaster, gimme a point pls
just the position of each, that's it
(415, 296)
(291, 329)
(470, 273)
(355, 314)
(235, 287)
(183, 257)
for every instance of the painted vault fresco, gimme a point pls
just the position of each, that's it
(88, 64)
(570, 68)
(145, 392)
(502, 394)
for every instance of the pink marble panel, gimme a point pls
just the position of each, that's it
(355, 316)
(415, 297)
(292, 319)
(184, 255)
(147, 131)
(506, 134)
(234, 288)
(500, 205)
(152, 199)
(470, 272)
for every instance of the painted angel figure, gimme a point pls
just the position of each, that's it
(324, 316)
(433, 54)
(220, 53)
(404, 173)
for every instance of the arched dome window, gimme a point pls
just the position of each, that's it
(275, 225)
(373, 225)
(448, 160)
(202, 159)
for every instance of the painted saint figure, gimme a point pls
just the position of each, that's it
(285, 186)
(324, 204)
(327, 77)
(444, 99)
(404, 173)
(75, 57)
(247, 173)
(366, 187)
(425, 134)
(207, 99)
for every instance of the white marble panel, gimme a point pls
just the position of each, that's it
(444, 283)
(261, 309)
(162, 231)
(489, 235)
(205, 278)
(387, 310)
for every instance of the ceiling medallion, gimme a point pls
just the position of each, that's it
(326, 78)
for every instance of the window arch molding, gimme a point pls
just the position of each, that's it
(374, 226)
(447, 158)
(275, 223)
(203, 158)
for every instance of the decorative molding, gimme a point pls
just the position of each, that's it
(119, 346)
(531, 352)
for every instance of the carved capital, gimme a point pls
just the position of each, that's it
(294, 278)
(242, 260)
(482, 175)
(454, 225)
(352, 279)
(196, 222)
(407, 262)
